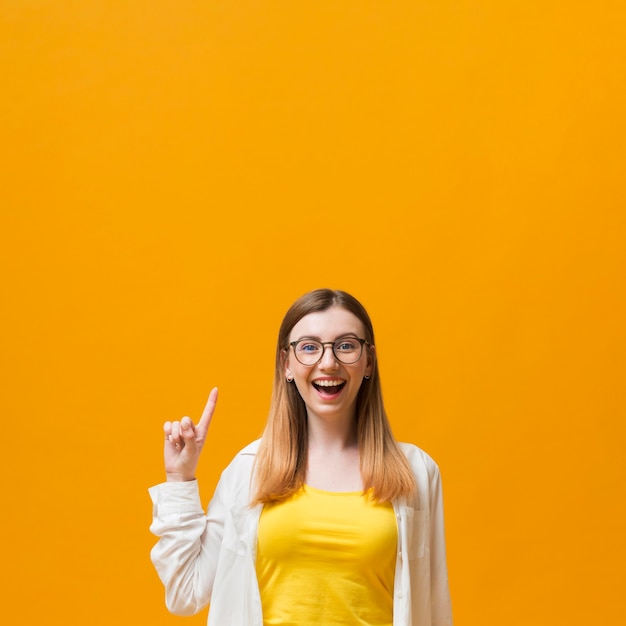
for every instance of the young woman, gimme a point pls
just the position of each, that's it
(325, 520)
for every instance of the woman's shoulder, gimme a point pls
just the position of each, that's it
(235, 480)
(250, 449)
(240, 467)
(419, 459)
(245, 457)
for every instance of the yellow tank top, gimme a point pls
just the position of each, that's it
(325, 559)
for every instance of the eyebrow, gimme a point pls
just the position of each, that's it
(316, 338)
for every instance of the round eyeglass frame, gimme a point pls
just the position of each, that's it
(361, 341)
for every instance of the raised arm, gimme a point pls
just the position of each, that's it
(186, 554)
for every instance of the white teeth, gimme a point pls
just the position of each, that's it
(328, 383)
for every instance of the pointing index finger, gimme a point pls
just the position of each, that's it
(207, 414)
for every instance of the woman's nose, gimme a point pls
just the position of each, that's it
(328, 360)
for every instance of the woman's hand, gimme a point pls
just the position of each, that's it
(184, 442)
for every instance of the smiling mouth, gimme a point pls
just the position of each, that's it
(329, 388)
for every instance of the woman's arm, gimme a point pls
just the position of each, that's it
(186, 554)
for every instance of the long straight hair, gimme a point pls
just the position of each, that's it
(281, 462)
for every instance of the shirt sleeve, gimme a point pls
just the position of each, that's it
(441, 609)
(187, 552)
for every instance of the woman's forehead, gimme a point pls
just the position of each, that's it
(328, 325)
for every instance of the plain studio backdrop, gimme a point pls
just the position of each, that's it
(175, 174)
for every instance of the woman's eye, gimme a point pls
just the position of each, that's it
(346, 346)
(308, 347)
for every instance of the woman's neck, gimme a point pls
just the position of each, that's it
(331, 435)
(333, 457)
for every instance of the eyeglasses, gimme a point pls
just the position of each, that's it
(347, 350)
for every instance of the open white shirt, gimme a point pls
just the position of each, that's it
(210, 557)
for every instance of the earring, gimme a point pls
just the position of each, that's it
(289, 379)
(367, 376)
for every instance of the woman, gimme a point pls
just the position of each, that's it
(327, 519)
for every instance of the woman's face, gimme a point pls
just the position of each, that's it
(329, 388)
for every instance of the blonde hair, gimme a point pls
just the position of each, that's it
(281, 462)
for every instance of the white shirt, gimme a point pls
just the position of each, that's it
(211, 558)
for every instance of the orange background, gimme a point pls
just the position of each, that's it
(175, 174)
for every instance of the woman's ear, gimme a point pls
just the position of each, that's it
(285, 363)
(371, 359)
